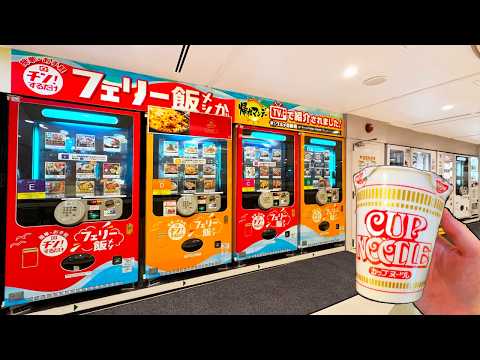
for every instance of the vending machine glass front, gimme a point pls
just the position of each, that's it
(323, 170)
(74, 226)
(322, 209)
(396, 157)
(188, 225)
(67, 154)
(266, 221)
(267, 168)
(190, 166)
(474, 171)
(421, 160)
(461, 176)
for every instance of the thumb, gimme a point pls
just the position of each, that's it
(442, 247)
(460, 235)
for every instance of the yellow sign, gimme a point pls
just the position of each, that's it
(162, 186)
(276, 115)
(31, 195)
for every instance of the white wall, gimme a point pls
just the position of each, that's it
(388, 134)
(4, 70)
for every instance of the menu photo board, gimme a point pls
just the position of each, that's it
(273, 114)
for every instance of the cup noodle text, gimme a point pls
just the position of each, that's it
(395, 239)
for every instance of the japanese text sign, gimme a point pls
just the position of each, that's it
(277, 115)
(48, 77)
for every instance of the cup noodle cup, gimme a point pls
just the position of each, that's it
(398, 214)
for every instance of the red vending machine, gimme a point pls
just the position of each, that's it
(266, 201)
(72, 199)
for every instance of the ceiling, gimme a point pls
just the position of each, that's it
(421, 79)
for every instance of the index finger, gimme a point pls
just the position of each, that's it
(460, 235)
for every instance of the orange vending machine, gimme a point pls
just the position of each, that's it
(188, 191)
(322, 197)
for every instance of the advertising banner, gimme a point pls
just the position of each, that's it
(171, 121)
(282, 116)
(53, 78)
(269, 113)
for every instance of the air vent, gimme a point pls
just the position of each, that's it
(181, 58)
(376, 80)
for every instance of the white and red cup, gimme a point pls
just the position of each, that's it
(398, 214)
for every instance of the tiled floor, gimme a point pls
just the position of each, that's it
(357, 305)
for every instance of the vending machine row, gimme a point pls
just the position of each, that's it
(461, 171)
(72, 177)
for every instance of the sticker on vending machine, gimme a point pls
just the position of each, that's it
(264, 172)
(111, 170)
(276, 172)
(209, 149)
(264, 155)
(170, 148)
(127, 264)
(249, 172)
(86, 188)
(54, 140)
(190, 149)
(277, 184)
(54, 170)
(208, 171)
(85, 170)
(112, 143)
(54, 189)
(112, 187)
(191, 171)
(85, 142)
(249, 152)
(276, 154)
(169, 208)
(209, 185)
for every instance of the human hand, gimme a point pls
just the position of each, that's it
(453, 282)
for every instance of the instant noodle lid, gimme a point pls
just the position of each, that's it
(403, 176)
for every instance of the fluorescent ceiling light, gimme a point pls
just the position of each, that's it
(447, 107)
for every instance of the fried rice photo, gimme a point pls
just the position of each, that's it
(167, 120)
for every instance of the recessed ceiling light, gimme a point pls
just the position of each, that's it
(447, 107)
(375, 80)
(350, 71)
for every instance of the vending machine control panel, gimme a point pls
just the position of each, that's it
(70, 212)
(327, 195)
(187, 205)
(269, 199)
